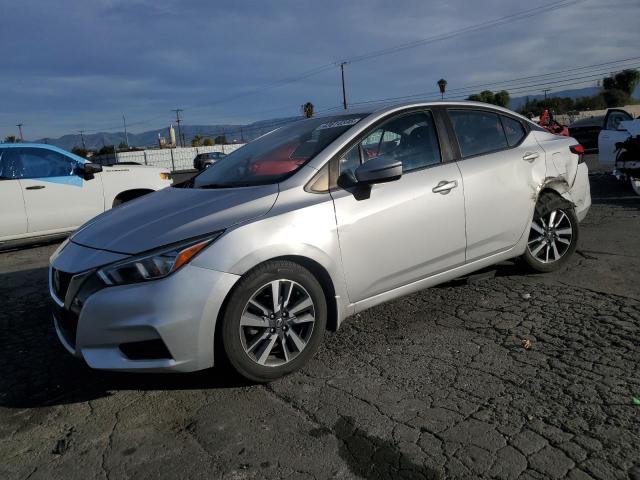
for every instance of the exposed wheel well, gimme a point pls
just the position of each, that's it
(128, 195)
(550, 191)
(324, 278)
(317, 271)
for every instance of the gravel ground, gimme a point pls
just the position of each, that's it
(438, 384)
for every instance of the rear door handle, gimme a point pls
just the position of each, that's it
(35, 187)
(530, 156)
(445, 187)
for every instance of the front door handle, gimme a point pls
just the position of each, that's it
(35, 187)
(445, 187)
(530, 156)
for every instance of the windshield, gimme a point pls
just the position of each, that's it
(276, 155)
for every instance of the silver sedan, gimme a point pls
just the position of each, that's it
(253, 259)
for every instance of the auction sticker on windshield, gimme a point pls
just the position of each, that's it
(339, 123)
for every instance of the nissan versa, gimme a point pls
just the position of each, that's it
(251, 260)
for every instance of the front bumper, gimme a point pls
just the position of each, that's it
(179, 311)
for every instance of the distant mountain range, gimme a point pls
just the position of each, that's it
(517, 102)
(237, 132)
(233, 132)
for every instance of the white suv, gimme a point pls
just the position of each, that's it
(48, 192)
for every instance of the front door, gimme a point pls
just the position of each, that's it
(610, 135)
(399, 232)
(501, 167)
(13, 216)
(56, 197)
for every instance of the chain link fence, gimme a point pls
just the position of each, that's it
(175, 159)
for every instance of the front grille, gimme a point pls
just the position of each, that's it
(68, 324)
(61, 281)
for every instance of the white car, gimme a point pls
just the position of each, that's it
(48, 192)
(618, 127)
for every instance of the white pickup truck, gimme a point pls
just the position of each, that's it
(48, 192)
(619, 126)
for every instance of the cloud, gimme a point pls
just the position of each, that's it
(75, 64)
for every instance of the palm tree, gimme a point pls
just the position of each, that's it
(197, 140)
(307, 110)
(442, 85)
(10, 139)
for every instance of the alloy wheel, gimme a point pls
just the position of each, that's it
(550, 236)
(277, 323)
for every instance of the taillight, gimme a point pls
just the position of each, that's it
(578, 150)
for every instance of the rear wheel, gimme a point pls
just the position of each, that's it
(553, 235)
(274, 321)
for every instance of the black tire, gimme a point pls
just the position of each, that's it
(549, 202)
(246, 288)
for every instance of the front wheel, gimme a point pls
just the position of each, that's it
(274, 321)
(553, 236)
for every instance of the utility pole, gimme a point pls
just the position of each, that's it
(126, 135)
(84, 147)
(178, 110)
(344, 91)
(19, 125)
(545, 91)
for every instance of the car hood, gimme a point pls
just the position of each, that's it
(172, 215)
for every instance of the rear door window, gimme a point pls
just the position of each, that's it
(478, 132)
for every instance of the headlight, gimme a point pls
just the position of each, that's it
(154, 265)
(165, 176)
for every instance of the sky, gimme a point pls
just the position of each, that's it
(74, 65)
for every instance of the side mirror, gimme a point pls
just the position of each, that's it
(379, 170)
(88, 170)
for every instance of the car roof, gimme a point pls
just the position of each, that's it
(389, 107)
(46, 146)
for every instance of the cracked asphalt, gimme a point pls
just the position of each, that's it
(504, 375)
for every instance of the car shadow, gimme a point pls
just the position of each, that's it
(371, 457)
(37, 371)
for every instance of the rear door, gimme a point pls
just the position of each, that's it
(399, 232)
(610, 135)
(13, 216)
(56, 197)
(501, 165)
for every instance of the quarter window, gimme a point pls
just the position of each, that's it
(513, 129)
(478, 132)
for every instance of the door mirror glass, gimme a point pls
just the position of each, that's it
(379, 170)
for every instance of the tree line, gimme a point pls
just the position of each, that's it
(617, 91)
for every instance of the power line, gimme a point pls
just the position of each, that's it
(469, 29)
(512, 84)
(452, 34)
